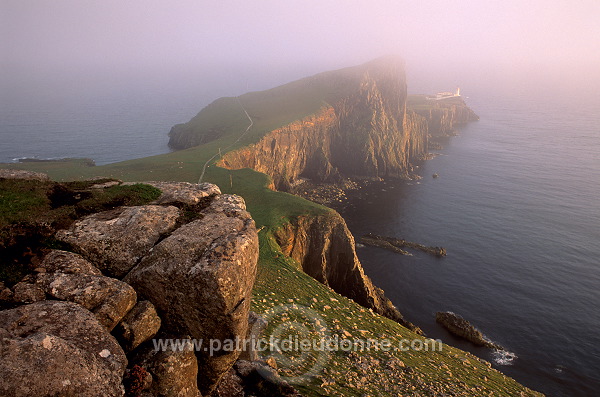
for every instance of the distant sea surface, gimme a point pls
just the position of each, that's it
(516, 205)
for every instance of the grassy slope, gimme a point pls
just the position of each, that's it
(279, 280)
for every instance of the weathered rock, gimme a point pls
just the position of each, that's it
(21, 174)
(27, 293)
(138, 326)
(231, 385)
(200, 280)
(174, 371)
(184, 192)
(260, 379)
(55, 348)
(108, 298)
(462, 328)
(68, 262)
(256, 325)
(6, 295)
(116, 240)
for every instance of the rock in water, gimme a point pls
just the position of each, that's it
(55, 348)
(200, 280)
(461, 327)
(115, 240)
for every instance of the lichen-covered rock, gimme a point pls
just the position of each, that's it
(22, 174)
(200, 279)
(184, 192)
(53, 348)
(174, 371)
(27, 293)
(116, 240)
(138, 326)
(461, 327)
(108, 298)
(58, 261)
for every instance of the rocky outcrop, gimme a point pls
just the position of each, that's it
(195, 271)
(116, 240)
(200, 279)
(462, 328)
(53, 348)
(325, 248)
(21, 174)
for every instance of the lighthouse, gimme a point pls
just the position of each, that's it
(457, 91)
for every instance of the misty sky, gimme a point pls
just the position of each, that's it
(40, 38)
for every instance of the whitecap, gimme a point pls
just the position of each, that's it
(503, 357)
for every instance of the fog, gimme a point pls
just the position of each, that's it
(229, 47)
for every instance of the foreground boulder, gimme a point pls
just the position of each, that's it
(174, 371)
(200, 280)
(184, 192)
(52, 348)
(116, 240)
(462, 328)
(57, 261)
(108, 298)
(139, 325)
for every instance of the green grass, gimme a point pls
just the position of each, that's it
(280, 284)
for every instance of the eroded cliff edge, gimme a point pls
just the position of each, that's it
(325, 249)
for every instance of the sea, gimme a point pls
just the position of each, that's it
(516, 204)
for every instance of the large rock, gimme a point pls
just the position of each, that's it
(22, 174)
(174, 371)
(55, 348)
(68, 262)
(138, 326)
(108, 298)
(116, 240)
(27, 293)
(184, 192)
(200, 279)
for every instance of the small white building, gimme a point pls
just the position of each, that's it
(446, 94)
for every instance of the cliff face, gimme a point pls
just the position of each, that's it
(367, 132)
(324, 247)
(443, 117)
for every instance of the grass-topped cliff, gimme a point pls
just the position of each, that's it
(348, 122)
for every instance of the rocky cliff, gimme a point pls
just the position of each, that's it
(325, 248)
(444, 115)
(365, 132)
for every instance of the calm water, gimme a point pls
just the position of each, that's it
(516, 205)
